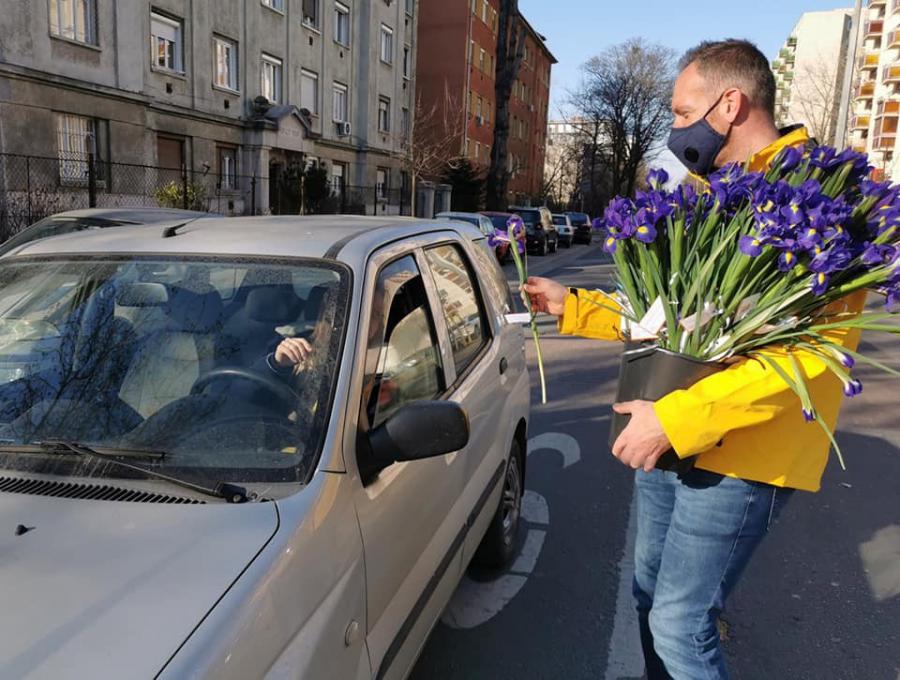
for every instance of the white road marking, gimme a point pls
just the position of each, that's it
(625, 658)
(566, 444)
(476, 602)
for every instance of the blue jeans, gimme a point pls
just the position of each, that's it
(695, 535)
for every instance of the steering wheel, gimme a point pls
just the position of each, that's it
(270, 382)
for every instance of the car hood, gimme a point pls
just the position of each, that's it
(106, 589)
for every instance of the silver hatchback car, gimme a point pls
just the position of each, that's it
(246, 448)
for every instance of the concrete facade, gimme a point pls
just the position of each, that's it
(150, 115)
(457, 63)
(809, 72)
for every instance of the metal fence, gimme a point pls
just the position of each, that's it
(33, 187)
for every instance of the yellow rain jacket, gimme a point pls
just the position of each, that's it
(745, 421)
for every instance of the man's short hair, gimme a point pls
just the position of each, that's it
(735, 63)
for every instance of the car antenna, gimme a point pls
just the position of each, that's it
(169, 232)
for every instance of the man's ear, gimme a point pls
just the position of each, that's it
(734, 105)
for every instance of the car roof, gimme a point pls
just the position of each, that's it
(136, 215)
(273, 236)
(458, 213)
(496, 213)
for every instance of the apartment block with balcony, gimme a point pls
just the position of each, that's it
(809, 72)
(876, 104)
(236, 87)
(457, 64)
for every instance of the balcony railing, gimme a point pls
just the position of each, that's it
(787, 54)
(884, 142)
(891, 75)
(893, 39)
(874, 28)
(869, 61)
(873, 4)
(792, 40)
(888, 108)
(861, 122)
(866, 90)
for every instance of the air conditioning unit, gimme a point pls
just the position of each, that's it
(344, 129)
(479, 121)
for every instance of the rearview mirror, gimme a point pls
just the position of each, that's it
(421, 429)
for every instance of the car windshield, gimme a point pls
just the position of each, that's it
(578, 218)
(560, 220)
(56, 226)
(500, 222)
(227, 367)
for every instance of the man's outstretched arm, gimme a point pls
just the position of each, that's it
(589, 314)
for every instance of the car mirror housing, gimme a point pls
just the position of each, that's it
(419, 430)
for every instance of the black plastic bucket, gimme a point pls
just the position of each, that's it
(650, 373)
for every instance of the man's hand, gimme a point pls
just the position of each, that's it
(643, 441)
(292, 351)
(547, 296)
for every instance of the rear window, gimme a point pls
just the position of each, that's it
(578, 218)
(499, 221)
(529, 217)
(559, 219)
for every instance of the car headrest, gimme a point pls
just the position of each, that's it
(277, 304)
(142, 294)
(195, 312)
(313, 307)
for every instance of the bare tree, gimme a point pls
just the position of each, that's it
(434, 145)
(815, 98)
(562, 167)
(510, 52)
(624, 96)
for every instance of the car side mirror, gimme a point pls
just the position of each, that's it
(419, 430)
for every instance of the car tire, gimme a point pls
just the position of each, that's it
(498, 547)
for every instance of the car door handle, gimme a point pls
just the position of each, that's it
(504, 364)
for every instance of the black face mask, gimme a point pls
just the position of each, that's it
(698, 144)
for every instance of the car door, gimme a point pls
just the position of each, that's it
(485, 353)
(410, 515)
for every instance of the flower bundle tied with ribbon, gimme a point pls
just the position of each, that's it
(515, 237)
(759, 259)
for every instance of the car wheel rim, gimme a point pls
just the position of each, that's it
(511, 502)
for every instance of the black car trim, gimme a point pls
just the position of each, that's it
(438, 576)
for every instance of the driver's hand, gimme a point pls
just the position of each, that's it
(292, 351)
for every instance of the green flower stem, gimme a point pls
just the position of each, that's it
(522, 270)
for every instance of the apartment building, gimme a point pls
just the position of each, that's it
(875, 108)
(245, 90)
(809, 72)
(456, 67)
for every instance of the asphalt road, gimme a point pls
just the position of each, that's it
(821, 599)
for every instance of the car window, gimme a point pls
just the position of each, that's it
(463, 310)
(560, 221)
(495, 286)
(403, 361)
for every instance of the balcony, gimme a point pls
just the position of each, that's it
(888, 108)
(877, 4)
(874, 28)
(866, 90)
(891, 75)
(895, 6)
(787, 55)
(859, 148)
(861, 122)
(868, 62)
(792, 40)
(893, 38)
(884, 142)
(788, 76)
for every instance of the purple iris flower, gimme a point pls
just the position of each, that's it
(830, 261)
(879, 254)
(750, 245)
(820, 281)
(515, 225)
(822, 157)
(657, 178)
(789, 158)
(787, 261)
(644, 226)
(852, 387)
(810, 238)
(598, 223)
(809, 415)
(793, 213)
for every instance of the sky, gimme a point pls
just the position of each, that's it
(576, 30)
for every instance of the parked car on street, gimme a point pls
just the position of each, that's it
(95, 218)
(581, 223)
(484, 224)
(500, 220)
(540, 232)
(564, 227)
(250, 447)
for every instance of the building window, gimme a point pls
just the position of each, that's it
(226, 63)
(481, 56)
(340, 113)
(381, 183)
(277, 5)
(309, 91)
(338, 174)
(387, 44)
(166, 42)
(407, 62)
(384, 114)
(479, 107)
(341, 24)
(405, 122)
(270, 85)
(74, 19)
(477, 151)
(484, 10)
(410, 7)
(227, 168)
(77, 142)
(311, 13)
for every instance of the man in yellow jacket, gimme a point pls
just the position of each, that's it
(697, 531)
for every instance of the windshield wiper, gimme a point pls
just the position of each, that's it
(232, 493)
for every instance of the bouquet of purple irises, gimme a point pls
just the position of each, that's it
(515, 237)
(755, 259)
